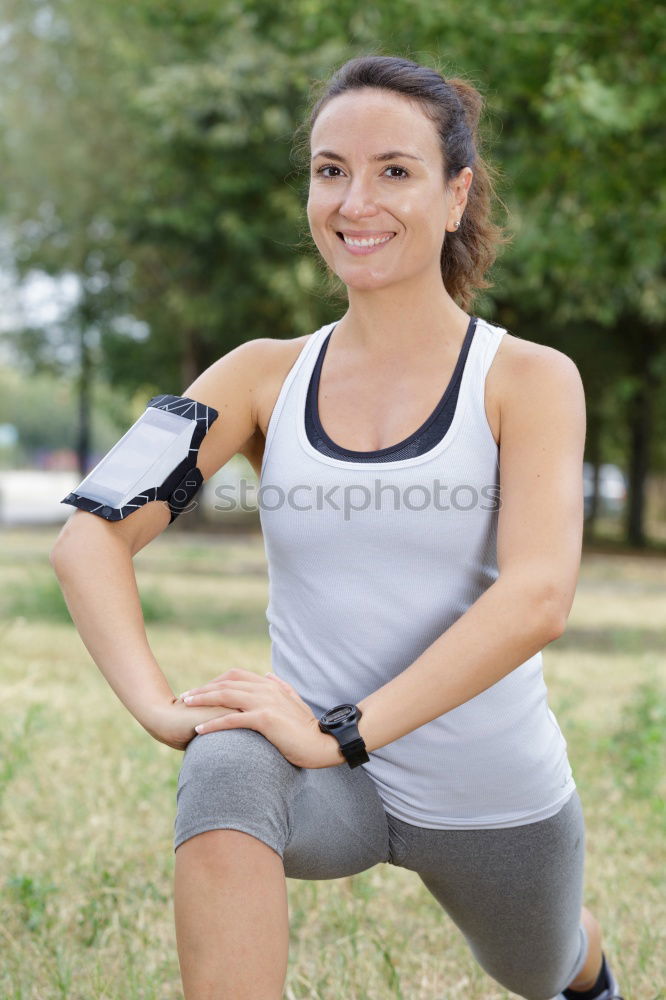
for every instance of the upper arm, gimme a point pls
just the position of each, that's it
(230, 385)
(542, 441)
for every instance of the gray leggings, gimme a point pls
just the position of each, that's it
(515, 893)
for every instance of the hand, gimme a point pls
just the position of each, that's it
(173, 723)
(272, 707)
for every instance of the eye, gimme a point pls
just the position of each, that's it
(400, 175)
(327, 167)
(403, 172)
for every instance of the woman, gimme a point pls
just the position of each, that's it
(403, 583)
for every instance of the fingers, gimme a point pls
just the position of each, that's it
(285, 685)
(229, 695)
(236, 674)
(242, 720)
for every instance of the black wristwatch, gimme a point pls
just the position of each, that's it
(342, 722)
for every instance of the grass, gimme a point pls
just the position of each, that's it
(87, 799)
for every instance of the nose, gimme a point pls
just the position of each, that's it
(358, 201)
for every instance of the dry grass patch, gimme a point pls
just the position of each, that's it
(88, 799)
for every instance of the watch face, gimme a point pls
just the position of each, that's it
(339, 714)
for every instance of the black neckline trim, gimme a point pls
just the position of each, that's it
(313, 395)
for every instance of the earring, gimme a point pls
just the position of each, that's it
(456, 224)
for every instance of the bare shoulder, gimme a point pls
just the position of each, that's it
(271, 360)
(525, 375)
(531, 364)
(276, 358)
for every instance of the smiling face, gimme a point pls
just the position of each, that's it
(378, 205)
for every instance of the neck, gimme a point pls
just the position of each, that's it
(401, 319)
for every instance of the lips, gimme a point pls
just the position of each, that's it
(365, 240)
(365, 234)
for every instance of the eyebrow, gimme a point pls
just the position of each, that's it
(392, 154)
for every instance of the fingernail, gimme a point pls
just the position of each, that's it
(183, 694)
(198, 728)
(188, 698)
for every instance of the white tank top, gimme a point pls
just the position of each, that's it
(368, 564)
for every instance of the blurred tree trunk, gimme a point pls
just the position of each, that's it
(191, 365)
(640, 425)
(646, 349)
(593, 451)
(84, 390)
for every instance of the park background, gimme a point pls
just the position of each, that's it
(151, 219)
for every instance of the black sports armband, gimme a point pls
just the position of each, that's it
(156, 459)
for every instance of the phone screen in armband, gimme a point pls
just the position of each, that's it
(143, 457)
(154, 458)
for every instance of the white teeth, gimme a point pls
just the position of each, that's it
(365, 242)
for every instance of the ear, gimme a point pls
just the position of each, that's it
(459, 188)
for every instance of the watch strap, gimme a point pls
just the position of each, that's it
(355, 752)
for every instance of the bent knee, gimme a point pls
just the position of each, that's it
(230, 749)
(235, 778)
(232, 762)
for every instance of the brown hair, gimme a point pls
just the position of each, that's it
(454, 106)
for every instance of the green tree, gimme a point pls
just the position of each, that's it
(174, 198)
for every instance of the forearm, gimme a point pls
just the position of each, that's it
(96, 576)
(502, 629)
